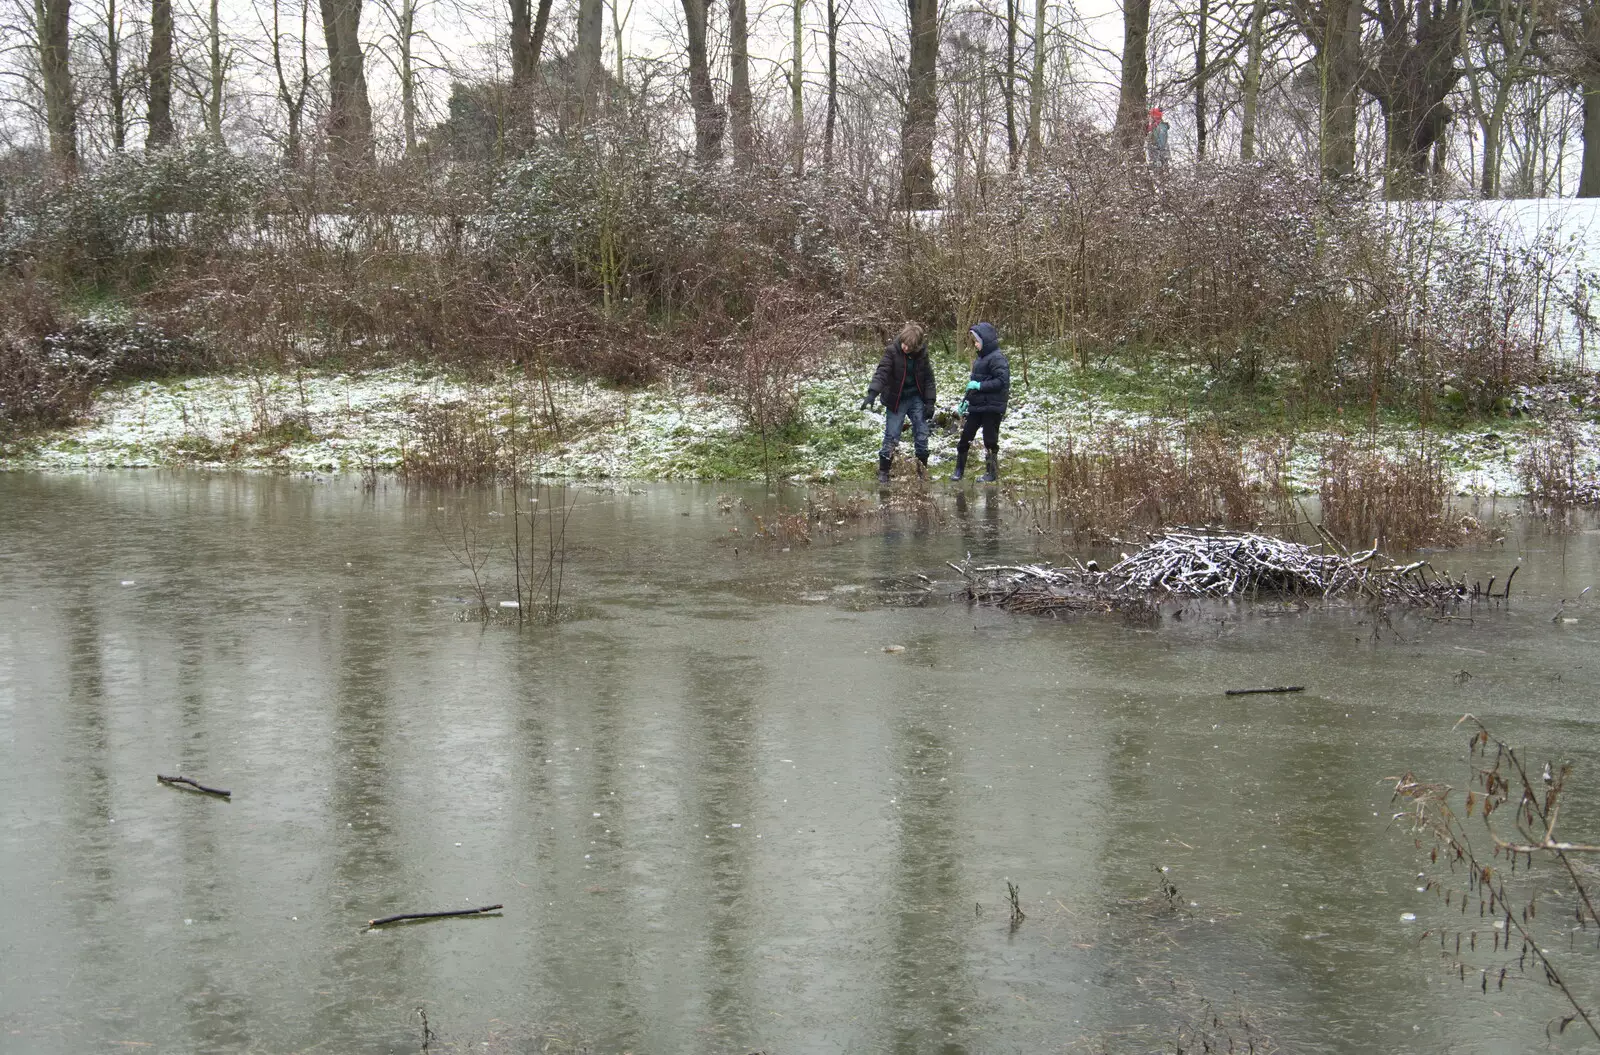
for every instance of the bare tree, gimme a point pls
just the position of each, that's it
(831, 120)
(401, 44)
(1587, 36)
(159, 72)
(587, 71)
(1036, 88)
(619, 22)
(1412, 75)
(797, 106)
(350, 141)
(528, 27)
(216, 68)
(291, 84)
(707, 114)
(1201, 73)
(52, 26)
(1334, 29)
(1506, 34)
(109, 44)
(1251, 91)
(739, 102)
(917, 189)
(1133, 98)
(1008, 87)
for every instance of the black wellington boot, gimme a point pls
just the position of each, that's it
(922, 469)
(961, 464)
(883, 468)
(992, 460)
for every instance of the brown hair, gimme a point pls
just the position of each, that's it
(911, 337)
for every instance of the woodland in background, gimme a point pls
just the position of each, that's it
(180, 194)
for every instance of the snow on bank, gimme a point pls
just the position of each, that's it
(330, 423)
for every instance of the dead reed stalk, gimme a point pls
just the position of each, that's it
(1493, 852)
(1153, 476)
(1396, 499)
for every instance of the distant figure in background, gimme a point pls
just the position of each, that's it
(1158, 132)
(904, 381)
(985, 402)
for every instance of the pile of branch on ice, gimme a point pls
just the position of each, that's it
(1192, 564)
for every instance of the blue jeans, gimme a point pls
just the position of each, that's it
(895, 421)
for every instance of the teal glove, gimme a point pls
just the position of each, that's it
(973, 385)
(962, 409)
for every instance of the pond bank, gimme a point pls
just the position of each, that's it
(324, 422)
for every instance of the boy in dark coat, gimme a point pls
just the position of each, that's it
(985, 404)
(904, 381)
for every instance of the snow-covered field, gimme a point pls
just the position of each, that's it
(332, 423)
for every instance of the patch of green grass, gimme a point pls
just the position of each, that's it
(1022, 465)
(100, 299)
(199, 448)
(742, 456)
(276, 437)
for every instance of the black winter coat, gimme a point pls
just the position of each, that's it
(890, 377)
(992, 371)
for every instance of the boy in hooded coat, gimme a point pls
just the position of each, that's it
(904, 381)
(985, 405)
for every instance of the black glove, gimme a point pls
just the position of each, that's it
(867, 403)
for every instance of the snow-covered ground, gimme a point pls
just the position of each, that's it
(330, 423)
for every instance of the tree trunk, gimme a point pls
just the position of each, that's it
(833, 83)
(541, 23)
(159, 119)
(1013, 144)
(1516, 23)
(408, 78)
(1414, 73)
(1036, 90)
(349, 109)
(1589, 82)
(1589, 178)
(293, 97)
(707, 116)
(1338, 47)
(744, 139)
(922, 108)
(214, 86)
(1252, 81)
(1200, 61)
(61, 109)
(586, 75)
(797, 102)
(1133, 102)
(115, 88)
(523, 60)
(619, 22)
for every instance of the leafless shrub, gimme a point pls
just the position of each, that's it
(1153, 476)
(457, 442)
(541, 577)
(764, 366)
(1397, 499)
(1549, 471)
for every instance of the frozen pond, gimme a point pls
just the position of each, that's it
(720, 816)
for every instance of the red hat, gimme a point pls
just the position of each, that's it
(1155, 111)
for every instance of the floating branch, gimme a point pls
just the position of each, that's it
(194, 785)
(1262, 692)
(433, 915)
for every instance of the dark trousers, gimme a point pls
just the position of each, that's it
(988, 421)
